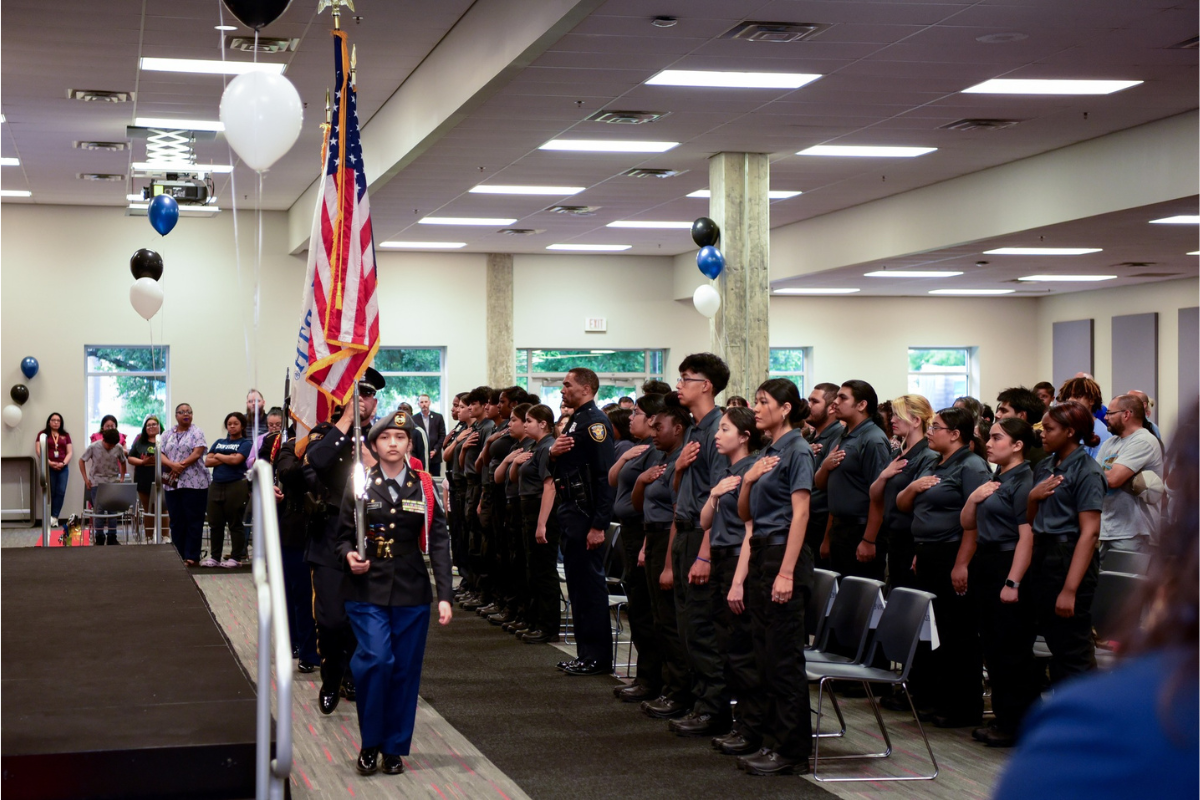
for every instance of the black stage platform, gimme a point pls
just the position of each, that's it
(116, 680)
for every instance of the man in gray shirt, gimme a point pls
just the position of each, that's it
(1130, 515)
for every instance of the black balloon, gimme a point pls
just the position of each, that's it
(19, 393)
(257, 14)
(705, 232)
(146, 264)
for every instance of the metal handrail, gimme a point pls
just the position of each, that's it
(271, 775)
(158, 487)
(44, 479)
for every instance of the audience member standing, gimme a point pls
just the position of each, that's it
(103, 462)
(107, 422)
(1086, 391)
(141, 455)
(183, 449)
(824, 431)
(228, 493)
(1132, 461)
(434, 425)
(58, 453)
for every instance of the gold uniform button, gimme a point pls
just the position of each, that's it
(378, 481)
(392, 525)
(393, 511)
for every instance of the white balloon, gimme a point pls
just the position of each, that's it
(706, 300)
(146, 295)
(11, 415)
(262, 114)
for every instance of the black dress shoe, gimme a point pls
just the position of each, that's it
(488, 610)
(515, 626)
(980, 734)
(588, 667)
(635, 693)
(998, 738)
(664, 708)
(896, 702)
(562, 665)
(738, 744)
(327, 700)
(743, 760)
(957, 721)
(539, 637)
(688, 717)
(717, 741)
(306, 667)
(472, 604)
(501, 618)
(296, 651)
(701, 725)
(771, 763)
(368, 761)
(392, 765)
(348, 691)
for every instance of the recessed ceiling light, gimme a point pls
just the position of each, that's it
(557, 191)
(911, 273)
(865, 151)
(630, 223)
(1068, 278)
(10, 162)
(602, 146)
(202, 66)
(15, 193)
(179, 124)
(1182, 219)
(135, 198)
(1041, 251)
(486, 221)
(790, 290)
(196, 169)
(731, 80)
(1017, 86)
(2, 119)
(1194, 253)
(425, 245)
(592, 247)
(774, 194)
(225, 27)
(972, 291)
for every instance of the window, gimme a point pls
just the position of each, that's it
(128, 382)
(791, 363)
(621, 372)
(940, 374)
(411, 372)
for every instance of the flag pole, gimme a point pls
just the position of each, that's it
(359, 481)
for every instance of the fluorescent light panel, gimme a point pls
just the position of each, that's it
(557, 191)
(179, 124)
(774, 194)
(731, 80)
(200, 66)
(1194, 253)
(865, 151)
(1041, 251)
(135, 198)
(10, 162)
(1018, 86)
(972, 291)
(1069, 278)
(15, 193)
(154, 166)
(425, 245)
(629, 223)
(592, 247)
(1182, 219)
(492, 222)
(603, 146)
(790, 290)
(911, 273)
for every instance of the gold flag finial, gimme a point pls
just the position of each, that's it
(336, 11)
(354, 65)
(328, 109)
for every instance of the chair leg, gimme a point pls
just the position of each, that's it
(878, 717)
(921, 728)
(837, 709)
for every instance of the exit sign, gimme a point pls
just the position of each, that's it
(595, 325)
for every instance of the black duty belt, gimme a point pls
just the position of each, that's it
(630, 522)
(1049, 538)
(849, 520)
(995, 547)
(768, 541)
(474, 480)
(728, 551)
(656, 527)
(684, 525)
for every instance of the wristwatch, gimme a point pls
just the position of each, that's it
(1010, 583)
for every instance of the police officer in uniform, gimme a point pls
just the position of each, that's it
(330, 457)
(582, 457)
(388, 593)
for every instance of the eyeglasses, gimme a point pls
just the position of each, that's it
(690, 380)
(936, 427)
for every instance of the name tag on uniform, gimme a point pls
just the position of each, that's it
(415, 506)
(373, 505)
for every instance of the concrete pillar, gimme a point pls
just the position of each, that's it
(740, 329)
(501, 353)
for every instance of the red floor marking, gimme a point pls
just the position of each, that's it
(350, 789)
(497, 788)
(307, 782)
(311, 729)
(436, 789)
(328, 755)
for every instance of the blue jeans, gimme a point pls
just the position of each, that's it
(110, 523)
(58, 489)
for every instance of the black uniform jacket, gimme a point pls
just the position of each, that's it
(330, 457)
(592, 455)
(289, 474)
(401, 579)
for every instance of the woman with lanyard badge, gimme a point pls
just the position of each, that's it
(779, 575)
(737, 438)
(1064, 509)
(995, 518)
(950, 679)
(388, 592)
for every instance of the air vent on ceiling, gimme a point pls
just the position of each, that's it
(266, 44)
(1186, 44)
(99, 96)
(778, 32)
(100, 176)
(519, 231)
(1156, 275)
(109, 146)
(980, 125)
(576, 211)
(639, 172)
(627, 117)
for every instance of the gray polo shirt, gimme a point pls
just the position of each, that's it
(919, 456)
(454, 468)
(658, 502)
(697, 480)
(936, 511)
(512, 489)
(533, 473)
(1126, 515)
(627, 476)
(485, 427)
(867, 453)
(819, 503)
(499, 449)
(1083, 489)
(1000, 517)
(771, 495)
(728, 529)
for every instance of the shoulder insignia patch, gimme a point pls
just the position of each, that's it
(315, 437)
(598, 432)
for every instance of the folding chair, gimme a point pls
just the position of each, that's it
(115, 501)
(896, 639)
(848, 625)
(1113, 592)
(618, 598)
(1127, 561)
(815, 613)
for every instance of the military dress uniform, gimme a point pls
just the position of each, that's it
(388, 605)
(293, 539)
(586, 503)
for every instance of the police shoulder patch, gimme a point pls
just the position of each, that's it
(598, 432)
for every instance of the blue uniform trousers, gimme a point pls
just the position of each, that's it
(297, 588)
(387, 671)
(586, 587)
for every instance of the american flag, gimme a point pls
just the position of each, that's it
(339, 317)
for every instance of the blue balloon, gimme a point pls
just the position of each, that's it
(29, 366)
(710, 261)
(164, 213)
